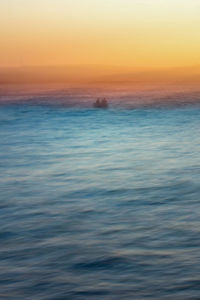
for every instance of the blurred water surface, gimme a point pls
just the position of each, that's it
(99, 204)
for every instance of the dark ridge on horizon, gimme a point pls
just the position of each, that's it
(98, 75)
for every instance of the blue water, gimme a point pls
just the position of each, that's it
(99, 204)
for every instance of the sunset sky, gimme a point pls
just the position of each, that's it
(130, 33)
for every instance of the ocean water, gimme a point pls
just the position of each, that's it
(99, 204)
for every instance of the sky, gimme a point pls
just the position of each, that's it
(130, 33)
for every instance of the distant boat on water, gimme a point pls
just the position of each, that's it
(101, 103)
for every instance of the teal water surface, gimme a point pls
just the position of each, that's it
(99, 204)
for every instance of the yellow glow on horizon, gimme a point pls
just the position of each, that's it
(132, 33)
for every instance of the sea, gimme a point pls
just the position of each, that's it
(99, 203)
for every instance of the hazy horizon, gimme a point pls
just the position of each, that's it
(99, 74)
(98, 42)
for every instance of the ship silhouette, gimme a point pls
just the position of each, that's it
(101, 103)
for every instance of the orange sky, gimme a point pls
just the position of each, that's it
(130, 33)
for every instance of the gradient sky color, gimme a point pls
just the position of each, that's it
(132, 33)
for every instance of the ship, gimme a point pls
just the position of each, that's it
(101, 103)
